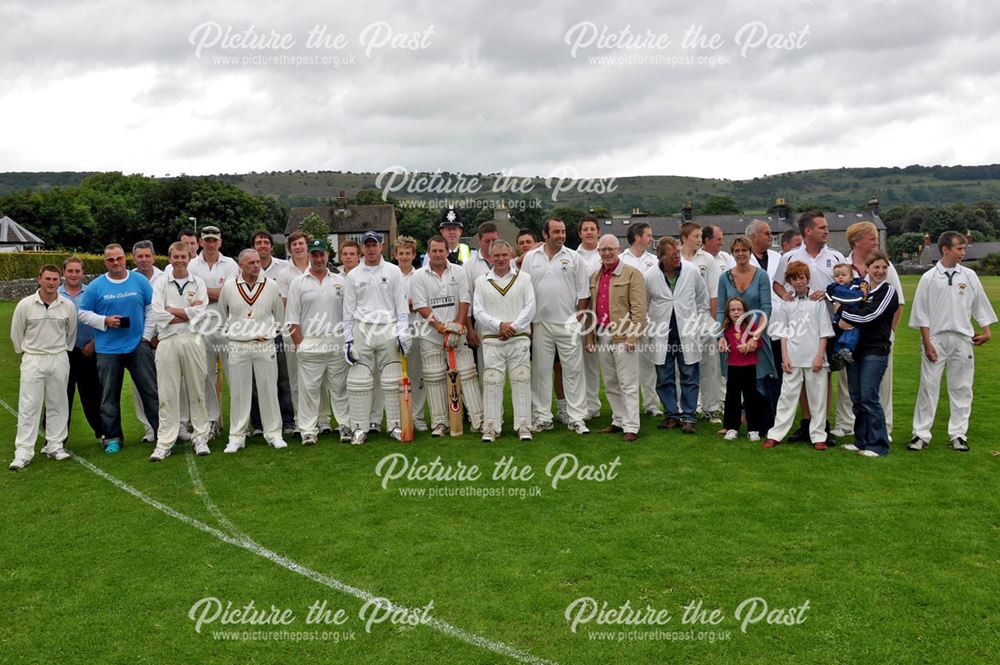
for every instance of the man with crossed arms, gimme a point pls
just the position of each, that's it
(251, 306)
(315, 314)
(440, 294)
(179, 298)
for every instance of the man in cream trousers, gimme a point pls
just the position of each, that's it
(251, 308)
(180, 357)
(559, 277)
(376, 332)
(315, 314)
(43, 329)
(504, 304)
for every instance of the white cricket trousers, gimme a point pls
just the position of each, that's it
(506, 358)
(376, 350)
(321, 369)
(44, 378)
(180, 373)
(545, 339)
(710, 376)
(592, 377)
(620, 369)
(955, 356)
(216, 348)
(253, 361)
(788, 403)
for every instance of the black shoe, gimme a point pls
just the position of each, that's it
(801, 435)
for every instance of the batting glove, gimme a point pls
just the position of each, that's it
(404, 345)
(349, 354)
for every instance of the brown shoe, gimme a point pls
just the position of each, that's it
(668, 423)
(630, 437)
(610, 429)
(688, 428)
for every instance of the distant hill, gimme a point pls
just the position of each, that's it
(842, 189)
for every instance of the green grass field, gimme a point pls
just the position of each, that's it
(897, 558)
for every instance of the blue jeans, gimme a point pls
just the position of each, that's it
(666, 385)
(141, 367)
(864, 376)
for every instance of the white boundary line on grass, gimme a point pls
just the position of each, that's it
(249, 545)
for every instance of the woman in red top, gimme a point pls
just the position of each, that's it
(741, 339)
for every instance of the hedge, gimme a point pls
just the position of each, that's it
(24, 265)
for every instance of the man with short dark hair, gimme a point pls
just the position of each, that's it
(118, 306)
(144, 258)
(263, 243)
(790, 239)
(43, 329)
(637, 255)
(559, 277)
(948, 296)
(82, 359)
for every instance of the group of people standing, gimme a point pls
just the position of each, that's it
(690, 329)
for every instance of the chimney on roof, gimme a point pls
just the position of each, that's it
(342, 200)
(873, 205)
(637, 212)
(780, 209)
(687, 212)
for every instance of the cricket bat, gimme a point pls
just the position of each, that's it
(405, 404)
(454, 384)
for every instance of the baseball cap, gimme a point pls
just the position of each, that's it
(371, 235)
(318, 246)
(451, 217)
(211, 232)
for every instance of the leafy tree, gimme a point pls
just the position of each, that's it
(905, 245)
(720, 205)
(989, 265)
(315, 226)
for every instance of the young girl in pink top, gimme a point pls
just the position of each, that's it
(741, 337)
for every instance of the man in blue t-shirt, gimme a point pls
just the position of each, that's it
(117, 306)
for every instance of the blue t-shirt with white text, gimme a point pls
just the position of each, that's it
(126, 298)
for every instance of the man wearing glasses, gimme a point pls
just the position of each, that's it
(117, 305)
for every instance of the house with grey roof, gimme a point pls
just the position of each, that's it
(16, 238)
(350, 222)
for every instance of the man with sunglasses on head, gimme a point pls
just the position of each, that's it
(118, 306)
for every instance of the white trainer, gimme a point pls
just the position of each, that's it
(524, 434)
(439, 430)
(201, 448)
(579, 427)
(396, 433)
(308, 439)
(731, 435)
(233, 447)
(160, 454)
(851, 447)
(59, 454)
(360, 436)
(754, 436)
(18, 464)
(278, 443)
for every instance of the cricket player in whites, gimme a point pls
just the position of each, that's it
(251, 307)
(43, 329)
(179, 298)
(947, 297)
(440, 293)
(504, 304)
(562, 294)
(376, 332)
(315, 314)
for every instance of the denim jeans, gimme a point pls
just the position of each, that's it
(666, 385)
(864, 376)
(141, 367)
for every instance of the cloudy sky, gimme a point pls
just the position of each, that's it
(608, 88)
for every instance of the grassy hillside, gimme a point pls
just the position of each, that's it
(834, 189)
